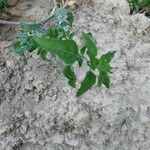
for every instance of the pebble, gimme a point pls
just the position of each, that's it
(3, 129)
(28, 86)
(139, 31)
(69, 139)
(38, 84)
(111, 21)
(10, 64)
(2, 60)
(58, 138)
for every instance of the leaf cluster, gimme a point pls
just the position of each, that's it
(136, 5)
(62, 18)
(4, 4)
(59, 41)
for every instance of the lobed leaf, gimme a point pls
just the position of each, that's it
(90, 44)
(67, 50)
(105, 68)
(63, 18)
(108, 57)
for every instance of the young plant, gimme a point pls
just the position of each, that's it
(137, 5)
(58, 40)
(3, 4)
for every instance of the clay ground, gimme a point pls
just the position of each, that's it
(39, 111)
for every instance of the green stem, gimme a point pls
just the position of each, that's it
(43, 21)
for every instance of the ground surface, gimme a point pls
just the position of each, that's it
(39, 111)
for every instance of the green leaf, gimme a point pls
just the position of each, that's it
(69, 74)
(104, 79)
(71, 35)
(105, 68)
(22, 47)
(43, 53)
(108, 57)
(18, 48)
(87, 83)
(63, 17)
(104, 62)
(67, 50)
(70, 18)
(137, 5)
(4, 4)
(94, 63)
(56, 33)
(90, 44)
(92, 37)
(25, 42)
(36, 29)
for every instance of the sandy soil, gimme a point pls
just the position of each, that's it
(39, 111)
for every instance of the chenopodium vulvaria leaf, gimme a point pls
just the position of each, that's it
(59, 41)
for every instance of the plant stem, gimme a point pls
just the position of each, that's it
(11, 23)
(48, 18)
(17, 23)
(43, 21)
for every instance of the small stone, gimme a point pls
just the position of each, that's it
(9, 148)
(27, 114)
(144, 119)
(29, 76)
(111, 21)
(3, 129)
(104, 20)
(139, 31)
(73, 143)
(28, 86)
(2, 60)
(10, 64)
(36, 98)
(30, 134)
(49, 147)
(38, 84)
(111, 113)
(71, 140)
(23, 129)
(123, 23)
(57, 138)
(41, 142)
(82, 117)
